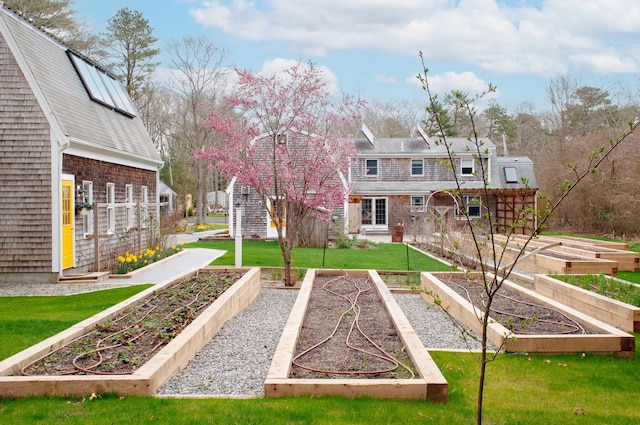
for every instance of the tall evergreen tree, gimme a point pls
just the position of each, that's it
(129, 39)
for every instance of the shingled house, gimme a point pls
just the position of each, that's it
(401, 181)
(69, 138)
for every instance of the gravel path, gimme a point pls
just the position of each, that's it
(247, 343)
(236, 361)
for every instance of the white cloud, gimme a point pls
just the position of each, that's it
(466, 82)
(384, 79)
(277, 66)
(542, 38)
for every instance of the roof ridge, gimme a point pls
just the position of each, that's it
(55, 38)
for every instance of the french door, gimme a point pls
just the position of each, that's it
(374, 213)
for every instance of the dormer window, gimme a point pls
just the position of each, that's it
(467, 166)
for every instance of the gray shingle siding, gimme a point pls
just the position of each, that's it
(25, 174)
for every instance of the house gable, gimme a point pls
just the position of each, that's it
(49, 125)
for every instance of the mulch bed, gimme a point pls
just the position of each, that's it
(519, 314)
(121, 345)
(327, 324)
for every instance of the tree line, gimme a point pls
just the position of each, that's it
(579, 117)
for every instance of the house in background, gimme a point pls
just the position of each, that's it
(168, 200)
(401, 181)
(256, 221)
(69, 137)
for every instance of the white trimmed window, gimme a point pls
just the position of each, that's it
(417, 167)
(371, 166)
(417, 203)
(144, 209)
(111, 212)
(471, 205)
(87, 219)
(467, 166)
(128, 190)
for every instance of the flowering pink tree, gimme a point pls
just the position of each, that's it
(289, 140)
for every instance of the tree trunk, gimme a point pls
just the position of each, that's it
(285, 248)
(201, 190)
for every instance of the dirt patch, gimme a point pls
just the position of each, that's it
(347, 333)
(121, 345)
(517, 313)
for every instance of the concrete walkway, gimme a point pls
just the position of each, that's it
(172, 267)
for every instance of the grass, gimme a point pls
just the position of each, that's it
(604, 285)
(27, 320)
(378, 257)
(561, 389)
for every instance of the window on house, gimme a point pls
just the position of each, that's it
(467, 166)
(471, 205)
(372, 167)
(111, 212)
(417, 203)
(87, 198)
(282, 138)
(417, 167)
(510, 174)
(144, 209)
(128, 190)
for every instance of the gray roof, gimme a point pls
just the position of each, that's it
(522, 167)
(163, 189)
(418, 147)
(82, 120)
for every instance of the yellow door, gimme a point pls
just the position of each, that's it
(67, 224)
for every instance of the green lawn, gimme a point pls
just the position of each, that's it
(550, 390)
(25, 321)
(378, 257)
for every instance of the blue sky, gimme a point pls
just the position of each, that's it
(370, 47)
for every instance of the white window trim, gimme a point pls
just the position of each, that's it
(111, 212)
(366, 169)
(468, 200)
(421, 168)
(420, 207)
(144, 208)
(128, 190)
(464, 163)
(87, 197)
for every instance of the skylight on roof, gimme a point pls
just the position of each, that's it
(510, 174)
(102, 88)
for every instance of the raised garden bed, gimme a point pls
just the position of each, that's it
(601, 307)
(591, 336)
(146, 376)
(627, 260)
(428, 382)
(550, 262)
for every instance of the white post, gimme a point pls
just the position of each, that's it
(238, 234)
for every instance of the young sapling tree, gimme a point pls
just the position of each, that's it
(487, 249)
